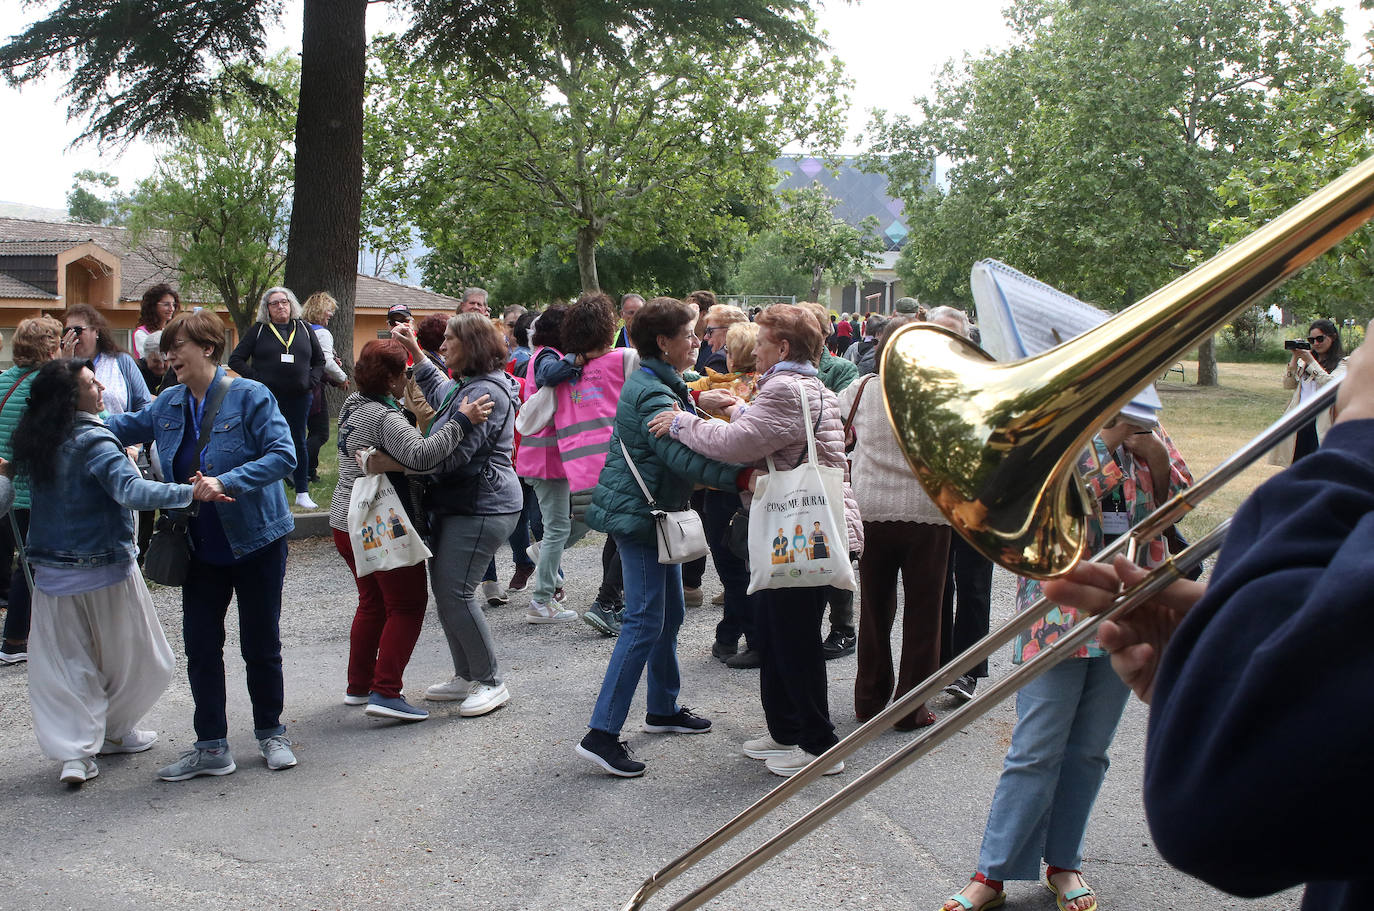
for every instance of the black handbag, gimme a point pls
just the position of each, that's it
(737, 534)
(168, 560)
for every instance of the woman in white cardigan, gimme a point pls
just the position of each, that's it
(1308, 370)
(906, 534)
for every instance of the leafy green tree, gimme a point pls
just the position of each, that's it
(1088, 153)
(673, 152)
(818, 243)
(221, 197)
(141, 67)
(765, 267)
(95, 199)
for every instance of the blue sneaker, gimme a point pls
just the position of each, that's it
(398, 708)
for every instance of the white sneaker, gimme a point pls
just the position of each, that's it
(533, 552)
(793, 761)
(547, 613)
(765, 747)
(484, 698)
(133, 741)
(304, 502)
(75, 771)
(453, 691)
(494, 593)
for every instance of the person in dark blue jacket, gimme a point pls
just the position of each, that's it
(1259, 764)
(240, 545)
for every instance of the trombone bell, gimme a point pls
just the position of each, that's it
(995, 445)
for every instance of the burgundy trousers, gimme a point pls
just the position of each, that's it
(391, 610)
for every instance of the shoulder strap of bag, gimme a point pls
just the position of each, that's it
(810, 430)
(207, 420)
(16, 386)
(854, 409)
(635, 471)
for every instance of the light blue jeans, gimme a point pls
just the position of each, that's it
(1065, 721)
(648, 636)
(560, 533)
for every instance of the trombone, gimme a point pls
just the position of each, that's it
(995, 447)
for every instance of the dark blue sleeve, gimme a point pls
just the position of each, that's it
(550, 369)
(1259, 767)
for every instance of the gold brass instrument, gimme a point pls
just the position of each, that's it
(995, 447)
(994, 444)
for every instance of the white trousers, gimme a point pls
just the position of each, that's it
(97, 663)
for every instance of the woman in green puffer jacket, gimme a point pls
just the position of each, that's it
(662, 332)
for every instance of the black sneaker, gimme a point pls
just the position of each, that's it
(722, 651)
(838, 644)
(680, 722)
(962, 688)
(611, 753)
(744, 660)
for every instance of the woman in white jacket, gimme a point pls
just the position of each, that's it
(318, 311)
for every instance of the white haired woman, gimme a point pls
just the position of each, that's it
(283, 354)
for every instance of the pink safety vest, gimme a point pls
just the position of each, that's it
(585, 417)
(538, 456)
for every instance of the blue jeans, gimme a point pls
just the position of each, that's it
(561, 531)
(296, 410)
(1065, 721)
(648, 636)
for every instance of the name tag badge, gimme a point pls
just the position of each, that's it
(288, 359)
(1116, 523)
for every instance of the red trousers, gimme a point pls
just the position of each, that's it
(920, 553)
(391, 610)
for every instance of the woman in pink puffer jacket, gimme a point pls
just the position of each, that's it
(792, 682)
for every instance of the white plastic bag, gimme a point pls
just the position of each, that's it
(379, 527)
(797, 533)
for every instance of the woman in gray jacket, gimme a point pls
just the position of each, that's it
(473, 500)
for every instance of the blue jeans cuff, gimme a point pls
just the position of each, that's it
(220, 744)
(264, 733)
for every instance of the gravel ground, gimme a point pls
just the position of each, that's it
(497, 813)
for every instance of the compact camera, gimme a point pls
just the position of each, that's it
(1297, 344)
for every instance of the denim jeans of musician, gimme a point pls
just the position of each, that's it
(648, 638)
(1065, 722)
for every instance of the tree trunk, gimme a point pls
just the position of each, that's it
(816, 274)
(1207, 363)
(586, 258)
(322, 247)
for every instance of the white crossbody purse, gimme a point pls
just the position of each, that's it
(681, 537)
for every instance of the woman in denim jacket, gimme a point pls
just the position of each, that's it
(240, 545)
(98, 659)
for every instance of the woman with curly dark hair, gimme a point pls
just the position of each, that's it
(391, 602)
(98, 659)
(159, 304)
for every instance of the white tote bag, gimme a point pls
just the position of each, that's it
(797, 533)
(379, 527)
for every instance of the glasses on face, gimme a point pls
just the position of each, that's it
(77, 330)
(1316, 338)
(710, 329)
(279, 302)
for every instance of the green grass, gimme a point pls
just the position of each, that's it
(1208, 424)
(322, 491)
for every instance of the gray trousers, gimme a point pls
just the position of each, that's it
(465, 547)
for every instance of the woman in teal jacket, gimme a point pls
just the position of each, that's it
(662, 332)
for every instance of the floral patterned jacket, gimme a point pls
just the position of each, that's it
(1132, 479)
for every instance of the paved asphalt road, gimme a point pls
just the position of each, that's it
(497, 813)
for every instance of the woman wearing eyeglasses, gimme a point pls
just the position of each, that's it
(86, 336)
(1308, 371)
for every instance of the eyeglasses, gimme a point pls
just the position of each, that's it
(1316, 338)
(77, 330)
(709, 329)
(280, 300)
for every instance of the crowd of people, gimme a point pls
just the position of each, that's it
(529, 430)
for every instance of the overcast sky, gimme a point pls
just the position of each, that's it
(891, 49)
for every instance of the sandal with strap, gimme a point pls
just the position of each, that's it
(1072, 895)
(996, 901)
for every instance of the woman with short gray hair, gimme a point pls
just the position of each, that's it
(281, 352)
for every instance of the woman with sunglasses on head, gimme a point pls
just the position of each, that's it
(1308, 371)
(98, 660)
(86, 336)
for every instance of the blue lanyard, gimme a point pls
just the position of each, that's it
(197, 411)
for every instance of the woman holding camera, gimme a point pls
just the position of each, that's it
(1308, 370)
(98, 659)
(473, 501)
(86, 336)
(240, 541)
